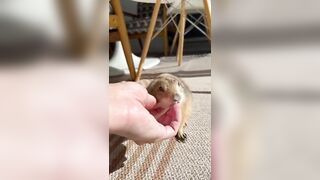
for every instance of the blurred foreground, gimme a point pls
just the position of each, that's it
(53, 79)
(266, 96)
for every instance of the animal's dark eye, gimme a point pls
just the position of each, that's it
(161, 89)
(179, 84)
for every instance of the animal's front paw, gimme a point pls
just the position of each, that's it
(181, 137)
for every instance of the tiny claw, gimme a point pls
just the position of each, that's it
(181, 138)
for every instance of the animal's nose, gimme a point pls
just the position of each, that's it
(176, 98)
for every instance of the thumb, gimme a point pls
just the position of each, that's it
(172, 121)
(149, 101)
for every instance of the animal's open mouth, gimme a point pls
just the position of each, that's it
(159, 109)
(156, 110)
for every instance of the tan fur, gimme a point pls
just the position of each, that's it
(172, 89)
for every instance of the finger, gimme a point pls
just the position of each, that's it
(175, 124)
(176, 117)
(155, 130)
(169, 132)
(149, 102)
(172, 117)
(142, 95)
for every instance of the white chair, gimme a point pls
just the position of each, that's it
(186, 8)
(150, 31)
(184, 4)
(117, 65)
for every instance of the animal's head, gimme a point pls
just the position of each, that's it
(167, 89)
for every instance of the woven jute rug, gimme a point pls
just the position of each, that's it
(171, 159)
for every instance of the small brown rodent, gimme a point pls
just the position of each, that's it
(169, 89)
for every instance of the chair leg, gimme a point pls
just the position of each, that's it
(208, 31)
(165, 33)
(175, 40)
(124, 37)
(182, 24)
(148, 38)
(207, 19)
(165, 41)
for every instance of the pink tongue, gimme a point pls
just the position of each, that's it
(172, 117)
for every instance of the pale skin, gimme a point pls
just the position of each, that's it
(129, 116)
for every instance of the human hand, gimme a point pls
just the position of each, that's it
(129, 114)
